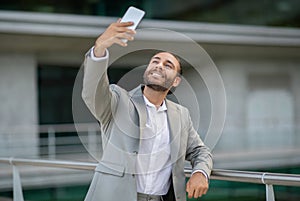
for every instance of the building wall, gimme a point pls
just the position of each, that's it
(18, 109)
(255, 63)
(262, 123)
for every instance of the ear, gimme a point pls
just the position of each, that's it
(176, 81)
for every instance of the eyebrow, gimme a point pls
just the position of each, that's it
(168, 61)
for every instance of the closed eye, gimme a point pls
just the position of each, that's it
(169, 66)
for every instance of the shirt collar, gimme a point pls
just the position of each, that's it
(163, 107)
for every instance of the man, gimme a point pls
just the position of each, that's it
(145, 137)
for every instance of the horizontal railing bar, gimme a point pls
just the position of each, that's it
(217, 174)
(257, 177)
(50, 163)
(57, 128)
(78, 127)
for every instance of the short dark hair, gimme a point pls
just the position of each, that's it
(179, 61)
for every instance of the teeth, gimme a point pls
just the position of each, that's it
(157, 74)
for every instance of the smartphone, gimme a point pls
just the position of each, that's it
(134, 15)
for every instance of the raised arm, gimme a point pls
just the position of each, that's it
(96, 92)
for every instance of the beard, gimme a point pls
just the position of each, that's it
(165, 86)
(156, 87)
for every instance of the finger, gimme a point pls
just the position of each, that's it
(120, 42)
(196, 193)
(120, 26)
(205, 191)
(202, 191)
(125, 29)
(131, 31)
(119, 20)
(125, 24)
(190, 191)
(125, 36)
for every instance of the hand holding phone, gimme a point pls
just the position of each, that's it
(110, 36)
(134, 15)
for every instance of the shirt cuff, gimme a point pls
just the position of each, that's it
(94, 58)
(201, 171)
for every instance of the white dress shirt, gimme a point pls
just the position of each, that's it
(154, 159)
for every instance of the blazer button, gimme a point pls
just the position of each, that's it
(135, 152)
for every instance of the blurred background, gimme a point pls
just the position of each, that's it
(254, 44)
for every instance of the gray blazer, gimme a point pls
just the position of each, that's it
(122, 116)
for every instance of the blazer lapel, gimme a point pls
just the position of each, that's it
(139, 103)
(175, 129)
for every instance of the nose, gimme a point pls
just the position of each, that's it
(159, 66)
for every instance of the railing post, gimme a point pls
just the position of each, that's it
(17, 186)
(270, 196)
(51, 143)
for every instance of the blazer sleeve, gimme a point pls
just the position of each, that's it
(197, 152)
(96, 91)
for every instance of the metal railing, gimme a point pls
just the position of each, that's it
(265, 178)
(82, 140)
(50, 140)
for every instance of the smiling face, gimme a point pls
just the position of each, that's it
(162, 72)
